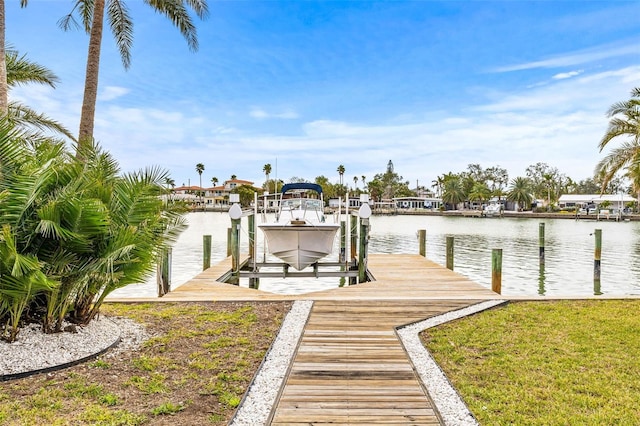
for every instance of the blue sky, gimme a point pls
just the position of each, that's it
(307, 86)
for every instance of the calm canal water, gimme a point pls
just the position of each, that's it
(569, 249)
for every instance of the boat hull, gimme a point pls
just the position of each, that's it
(299, 246)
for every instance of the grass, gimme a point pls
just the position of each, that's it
(546, 363)
(194, 370)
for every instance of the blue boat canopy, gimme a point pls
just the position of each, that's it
(302, 185)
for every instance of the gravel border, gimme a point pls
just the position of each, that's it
(446, 398)
(262, 394)
(35, 352)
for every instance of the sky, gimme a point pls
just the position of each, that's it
(307, 86)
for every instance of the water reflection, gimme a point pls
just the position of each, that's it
(567, 270)
(541, 289)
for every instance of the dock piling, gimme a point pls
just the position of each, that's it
(206, 252)
(422, 240)
(597, 255)
(235, 252)
(450, 252)
(163, 273)
(362, 258)
(343, 242)
(496, 270)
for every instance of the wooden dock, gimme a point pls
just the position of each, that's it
(350, 367)
(397, 277)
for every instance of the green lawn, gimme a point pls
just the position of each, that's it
(546, 363)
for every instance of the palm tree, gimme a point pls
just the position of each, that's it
(453, 192)
(267, 171)
(355, 182)
(624, 123)
(234, 177)
(200, 169)
(364, 185)
(73, 231)
(214, 181)
(520, 192)
(341, 171)
(4, 89)
(479, 192)
(119, 19)
(633, 173)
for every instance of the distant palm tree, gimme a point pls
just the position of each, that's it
(355, 181)
(520, 192)
(624, 123)
(233, 177)
(200, 169)
(364, 185)
(479, 192)
(267, 171)
(453, 192)
(119, 19)
(214, 181)
(341, 171)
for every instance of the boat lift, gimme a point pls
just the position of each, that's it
(354, 268)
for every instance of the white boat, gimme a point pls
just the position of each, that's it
(300, 235)
(493, 210)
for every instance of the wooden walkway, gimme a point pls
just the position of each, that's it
(350, 367)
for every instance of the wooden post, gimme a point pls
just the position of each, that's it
(343, 242)
(235, 251)
(597, 254)
(251, 224)
(206, 252)
(362, 258)
(541, 243)
(229, 233)
(450, 253)
(163, 273)
(422, 239)
(496, 270)
(354, 238)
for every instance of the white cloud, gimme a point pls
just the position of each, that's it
(564, 75)
(261, 114)
(111, 93)
(576, 58)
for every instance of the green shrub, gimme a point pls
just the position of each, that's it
(73, 229)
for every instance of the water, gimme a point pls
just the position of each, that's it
(569, 250)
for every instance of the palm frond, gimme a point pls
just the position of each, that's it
(177, 13)
(24, 116)
(122, 29)
(20, 71)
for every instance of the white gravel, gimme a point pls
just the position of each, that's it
(261, 396)
(446, 398)
(34, 351)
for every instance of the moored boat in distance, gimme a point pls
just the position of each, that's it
(300, 235)
(493, 210)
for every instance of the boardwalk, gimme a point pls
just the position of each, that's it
(350, 366)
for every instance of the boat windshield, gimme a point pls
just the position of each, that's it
(299, 203)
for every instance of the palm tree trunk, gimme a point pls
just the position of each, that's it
(87, 118)
(4, 101)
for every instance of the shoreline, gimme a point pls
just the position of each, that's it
(508, 214)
